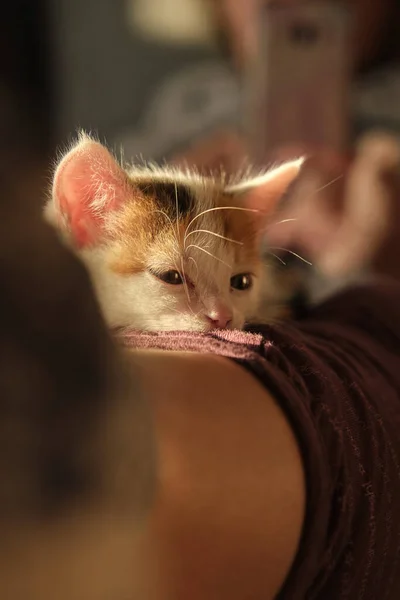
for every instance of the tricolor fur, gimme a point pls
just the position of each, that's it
(131, 226)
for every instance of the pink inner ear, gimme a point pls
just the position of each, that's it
(266, 191)
(88, 183)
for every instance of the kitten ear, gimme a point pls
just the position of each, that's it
(88, 182)
(264, 193)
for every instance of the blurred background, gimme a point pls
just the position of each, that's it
(157, 77)
(160, 79)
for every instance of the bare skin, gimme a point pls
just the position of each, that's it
(229, 511)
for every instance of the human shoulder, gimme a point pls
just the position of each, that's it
(232, 491)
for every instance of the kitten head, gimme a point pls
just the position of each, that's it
(166, 249)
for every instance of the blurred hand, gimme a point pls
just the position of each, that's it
(345, 223)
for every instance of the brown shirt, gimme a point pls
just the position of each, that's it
(336, 374)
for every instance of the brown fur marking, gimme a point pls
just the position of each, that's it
(141, 223)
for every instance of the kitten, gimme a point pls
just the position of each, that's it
(167, 249)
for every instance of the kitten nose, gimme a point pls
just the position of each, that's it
(219, 318)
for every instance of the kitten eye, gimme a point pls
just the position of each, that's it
(172, 277)
(241, 282)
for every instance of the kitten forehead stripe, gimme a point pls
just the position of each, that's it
(167, 193)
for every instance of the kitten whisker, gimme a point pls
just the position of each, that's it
(177, 211)
(278, 258)
(284, 221)
(223, 237)
(209, 254)
(329, 183)
(182, 274)
(175, 310)
(191, 310)
(293, 253)
(176, 233)
(196, 265)
(185, 285)
(253, 210)
(181, 270)
(179, 312)
(157, 210)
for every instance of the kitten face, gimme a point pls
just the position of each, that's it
(166, 250)
(168, 264)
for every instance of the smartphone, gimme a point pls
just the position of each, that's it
(299, 81)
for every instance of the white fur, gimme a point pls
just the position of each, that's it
(263, 178)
